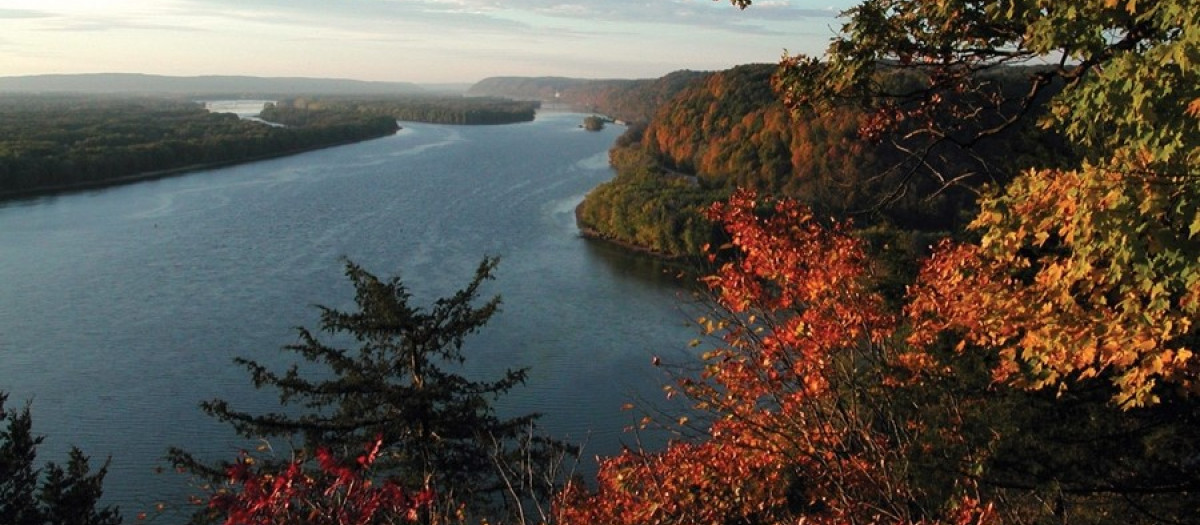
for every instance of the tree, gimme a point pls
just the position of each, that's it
(437, 428)
(1082, 270)
(1079, 279)
(1079, 274)
(1128, 70)
(593, 123)
(64, 496)
(798, 406)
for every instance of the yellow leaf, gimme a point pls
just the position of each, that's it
(1039, 238)
(1182, 356)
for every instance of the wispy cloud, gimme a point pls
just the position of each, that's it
(364, 16)
(18, 14)
(106, 24)
(492, 15)
(445, 39)
(682, 12)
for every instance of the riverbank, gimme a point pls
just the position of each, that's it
(173, 172)
(684, 263)
(592, 234)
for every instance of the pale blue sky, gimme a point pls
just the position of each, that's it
(406, 40)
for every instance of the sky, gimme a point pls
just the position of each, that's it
(423, 41)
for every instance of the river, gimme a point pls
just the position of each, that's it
(122, 308)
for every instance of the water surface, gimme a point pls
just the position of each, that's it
(122, 308)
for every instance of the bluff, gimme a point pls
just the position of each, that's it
(729, 129)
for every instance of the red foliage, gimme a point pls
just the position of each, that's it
(797, 395)
(337, 494)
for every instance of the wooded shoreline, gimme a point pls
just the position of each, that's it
(53, 144)
(172, 172)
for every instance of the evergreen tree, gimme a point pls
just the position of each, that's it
(438, 429)
(67, 496)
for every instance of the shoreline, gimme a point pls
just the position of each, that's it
(171, 172)
(592, 234)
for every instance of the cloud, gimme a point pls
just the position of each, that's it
(443, 39)
(762, 19)
(104, 24)
(662, 11)
(520, 16)
(20, 14)
(365, 16)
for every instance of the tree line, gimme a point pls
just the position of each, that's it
(55, 142)
(49, 142)
(422, 108)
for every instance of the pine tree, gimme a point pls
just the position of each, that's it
(438, 428)
(65, 497)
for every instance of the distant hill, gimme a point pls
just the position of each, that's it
(453, 88)
(545, 89)
(232, 86)
(628, 100)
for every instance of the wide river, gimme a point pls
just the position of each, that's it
(122, 308)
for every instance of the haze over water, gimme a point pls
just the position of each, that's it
(123, 308)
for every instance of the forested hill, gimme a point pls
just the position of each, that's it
(545, 89)
(219, 86)
(627, 100)
(729, 129)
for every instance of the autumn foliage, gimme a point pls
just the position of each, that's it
(1085, 270)
(796, 397)
(1078, 274)
(335, 493)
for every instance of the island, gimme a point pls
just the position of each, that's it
(593, 123)
(59, 142)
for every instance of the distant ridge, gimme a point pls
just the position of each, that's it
(622, 99)
(240, 86)
(545, 89)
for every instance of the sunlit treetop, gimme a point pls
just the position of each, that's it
(1127, 69)
(1087, 271)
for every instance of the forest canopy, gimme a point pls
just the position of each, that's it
(431, 109)
(56, 142)
(730, 129)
